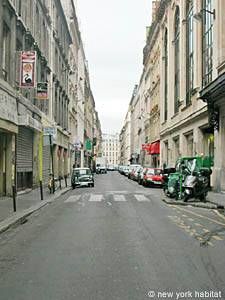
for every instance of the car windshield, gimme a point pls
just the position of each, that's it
(81, 172)
(153, 172)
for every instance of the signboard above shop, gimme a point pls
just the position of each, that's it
(42, 91)
(27, 69)
(8, 107)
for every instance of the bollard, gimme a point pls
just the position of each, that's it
(14, 197)
(41, 190)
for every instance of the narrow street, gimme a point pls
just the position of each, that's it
(117, 240)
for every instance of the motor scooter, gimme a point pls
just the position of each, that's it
(196, 184)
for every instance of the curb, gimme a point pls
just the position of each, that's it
(207, 205)
(19, 217)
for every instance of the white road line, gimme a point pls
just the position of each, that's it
(95, 198)
(119, 198)
(141, 198)
(117, 192)
(74, 198)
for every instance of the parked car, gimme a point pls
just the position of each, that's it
(126, 170)
(110, 168)
(137, 171)
(82, 177)
(131, 168)
(141, 175)
(153, 177)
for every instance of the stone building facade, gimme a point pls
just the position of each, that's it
(50, 28)
(213, 86)
(183, 65)
(110, 148)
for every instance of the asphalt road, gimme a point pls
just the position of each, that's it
(115, 241)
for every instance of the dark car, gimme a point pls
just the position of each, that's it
(82, 177)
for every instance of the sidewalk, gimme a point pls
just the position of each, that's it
(213, 201)
(26, 204)
(217, 198)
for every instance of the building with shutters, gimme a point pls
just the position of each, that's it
(50, 29)
(110, 148)
(183, 65)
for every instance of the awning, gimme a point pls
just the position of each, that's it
(155, 148)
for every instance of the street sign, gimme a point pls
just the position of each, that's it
(49, 131)
(88, 145)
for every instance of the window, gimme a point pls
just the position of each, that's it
(177, 60)
(207, 43)
(176, 148)
(190, 52)
(190, 144)
(166, 75)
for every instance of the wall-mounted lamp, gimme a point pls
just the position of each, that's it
(199, 15)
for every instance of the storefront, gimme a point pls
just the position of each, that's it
(60, 150)
(8, 131)
(152, 154)
(24, 158)
(154, 151)
(214, 95)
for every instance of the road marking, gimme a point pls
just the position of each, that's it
(199, 225)
(141, 198)
(119, 198)
(200, 216)
(190, 219)
(219, 214)
(117, 192)
(72, 199)
(216, 237)
(95, 198)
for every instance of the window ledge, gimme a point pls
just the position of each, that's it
(164, 122)
(174, 116)
(186, 106)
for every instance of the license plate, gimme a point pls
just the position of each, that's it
(157, 182)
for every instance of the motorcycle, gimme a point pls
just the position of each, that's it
(191, 179)
(196, 185)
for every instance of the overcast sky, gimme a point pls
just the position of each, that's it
(113, 33)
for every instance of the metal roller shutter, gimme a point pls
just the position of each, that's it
(24, 153)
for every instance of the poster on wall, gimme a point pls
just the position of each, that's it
(27, 69)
